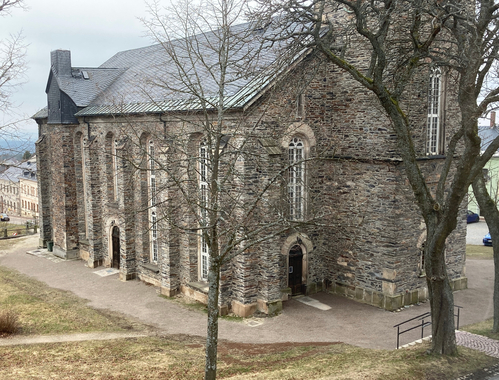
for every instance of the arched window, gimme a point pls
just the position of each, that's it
(154, 237)
(152, 205)
(152, 174)
(296, 178)
(203, 205)
(111, 168)
(433, 130)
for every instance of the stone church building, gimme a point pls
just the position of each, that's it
(98, 207)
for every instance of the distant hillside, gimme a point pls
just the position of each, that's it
(16, 148)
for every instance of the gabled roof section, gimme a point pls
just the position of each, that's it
(85, 84)
(14, 173)
(150, 81)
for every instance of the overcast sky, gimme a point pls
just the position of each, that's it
(93, 30)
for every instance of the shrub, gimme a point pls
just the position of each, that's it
(9, 323)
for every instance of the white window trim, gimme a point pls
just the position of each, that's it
(433, 136)
(153, 220)
(204, 255)
(115, 169)
(296, 178)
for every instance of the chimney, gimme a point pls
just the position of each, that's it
(60, 61)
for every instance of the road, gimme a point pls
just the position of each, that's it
(476, 232)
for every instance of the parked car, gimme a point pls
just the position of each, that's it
(471, 217)
(4, 217)
(487, 240)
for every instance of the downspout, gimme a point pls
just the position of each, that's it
(88, 126)
(164, 125)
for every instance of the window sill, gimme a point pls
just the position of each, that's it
(152, 267)
(200, 286)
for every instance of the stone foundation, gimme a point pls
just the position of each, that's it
(269, 307)
(71, 254)
(244, 310)
(168, 292)
(149, 280)
(387, 301)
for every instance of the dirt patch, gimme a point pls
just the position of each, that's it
(232, 353)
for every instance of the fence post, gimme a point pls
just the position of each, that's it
(398, 336)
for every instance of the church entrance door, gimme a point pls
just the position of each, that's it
(116, 247)
(295, 269)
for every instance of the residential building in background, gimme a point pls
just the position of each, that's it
(19, 189)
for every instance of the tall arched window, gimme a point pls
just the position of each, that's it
(433, 130)
(152, 174)
(152, 205)
(154, 237)
(296, 179)
(111, 168)
(203, 205)
(84, 185)
(115, 169)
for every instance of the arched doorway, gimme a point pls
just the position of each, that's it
(116, 247)
(295, 269)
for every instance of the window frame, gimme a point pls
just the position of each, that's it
(152, 189)
(434, 113)
(203, 174)
(296, 180)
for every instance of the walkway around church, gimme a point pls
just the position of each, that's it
(331, 319)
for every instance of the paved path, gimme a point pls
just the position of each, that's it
(476, 232)
(343, 320)
(478, 342)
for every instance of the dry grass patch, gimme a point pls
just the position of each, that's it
(9, 323)
(479, 252)
(14, 229)
(44, 310)
(342, 361)
(10, 244)
(482, 328)
(183, 358)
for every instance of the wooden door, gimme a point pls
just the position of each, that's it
(116, 248)
(295, 269)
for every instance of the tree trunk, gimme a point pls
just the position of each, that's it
(212, 332)
(440, 292)
(491, 214)
(442, 312)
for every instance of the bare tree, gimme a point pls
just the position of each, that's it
(12, 69)
(401, 41)
(213, 149)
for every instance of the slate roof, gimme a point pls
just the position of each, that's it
(148, 80)
(82, 90)
(14, 173)
(487, 134)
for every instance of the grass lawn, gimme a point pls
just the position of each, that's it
(482, 328)
(18, 229)
(43, 310)
(480, 252)
(183, 358)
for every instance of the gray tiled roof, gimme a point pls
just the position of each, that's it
(82, 91)
(149, 80)
(13, 173)
(487, 134)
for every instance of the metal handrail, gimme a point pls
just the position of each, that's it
(421, 325)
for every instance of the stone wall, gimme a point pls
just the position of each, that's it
(366, 246)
